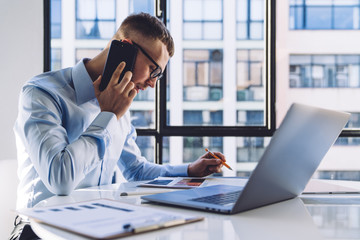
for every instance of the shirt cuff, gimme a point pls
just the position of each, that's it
(103, 120)
(180, 170)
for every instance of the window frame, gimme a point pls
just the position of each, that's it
(162, 130)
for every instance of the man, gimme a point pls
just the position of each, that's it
(71, 135)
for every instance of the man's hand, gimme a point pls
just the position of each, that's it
(206, 165)
(116, 97)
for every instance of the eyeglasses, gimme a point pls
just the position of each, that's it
(157, 72)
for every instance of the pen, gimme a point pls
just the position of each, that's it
(223, 162)
(133, 193)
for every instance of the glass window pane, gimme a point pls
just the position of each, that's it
(138, 6)
(242, 75)
(256, 30)
(257, 10)
(193, 10)
(243, 55)
(212, 30)
(319, 2)
(343, 18)
(300, 59)
(86, 9)
(256, 74)
(106, 29)
(215, 74)
(55, 59)
(241, 31)
(212, 10)
(318, 18)
(196, 55)
(192, 31)
(189, 74)
(193, 118)
(142, 118)
(105, 9)
(87, 29)
(323, 59)
(345, 2)
(242, 10)
(55, 18)
(86, 53)
(257, 55)
(348, 59)
(203, 73)
(146, 145)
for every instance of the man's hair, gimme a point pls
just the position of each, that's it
(148, 26)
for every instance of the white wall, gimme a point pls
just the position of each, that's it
(21, 57)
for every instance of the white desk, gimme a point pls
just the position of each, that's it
(321, 217)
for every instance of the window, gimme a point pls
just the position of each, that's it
(55, 18)
(206, 100)
(55, 58)
(86, 53)
(137, 6)
(250, 19)
(203, 19)
(95, 19)
(324, 14)
(202, 75)
(324, 71)
(250, 75)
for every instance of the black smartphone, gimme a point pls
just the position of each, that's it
(120, 51)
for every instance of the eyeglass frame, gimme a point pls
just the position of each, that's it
(157, 76)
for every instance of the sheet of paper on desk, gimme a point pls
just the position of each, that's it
(106, 219)
(192, 182)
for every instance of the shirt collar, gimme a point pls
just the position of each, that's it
(84, 88)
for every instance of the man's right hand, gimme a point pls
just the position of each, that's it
(116, 97)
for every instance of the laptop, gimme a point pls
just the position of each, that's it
(291, 158)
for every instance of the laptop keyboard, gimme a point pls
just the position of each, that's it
(219, 199)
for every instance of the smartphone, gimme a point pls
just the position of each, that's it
(120, 51)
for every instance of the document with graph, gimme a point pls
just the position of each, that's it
(106, 219)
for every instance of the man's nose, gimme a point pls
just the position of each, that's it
(151, 82)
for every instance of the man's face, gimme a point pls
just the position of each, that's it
(144, 66)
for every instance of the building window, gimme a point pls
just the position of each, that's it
(250, 19)
(203, 19)
(250, 75)
(137, 6)
(81, 53)
(324, 71)
(193, 118)
(325, 14)
(95, 19)
(55, 59)
(142, 118)
(202, 75)
(203, 118)
(250, 118)
(250, 149)
(55, 19)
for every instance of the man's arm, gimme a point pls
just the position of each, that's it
(61, 164)
(135, 167)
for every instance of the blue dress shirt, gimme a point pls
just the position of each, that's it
(64, 142)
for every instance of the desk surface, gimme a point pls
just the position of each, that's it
(321, 216)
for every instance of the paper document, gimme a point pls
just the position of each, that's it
(191, 182)
(106, 219)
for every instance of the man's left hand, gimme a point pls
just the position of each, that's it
(206, 165)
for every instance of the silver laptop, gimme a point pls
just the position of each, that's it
(291, 158)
